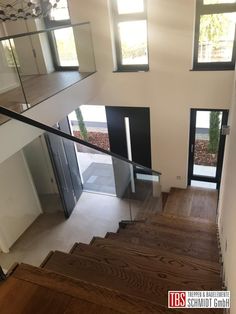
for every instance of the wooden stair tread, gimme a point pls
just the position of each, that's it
(155, 267)
(184, 223)
(136, 283)
(198, 247)
(179, 239)
(16, 296)
(132, 248)
(32, 298)
(102, 296)
(164, 244)
(171, 229)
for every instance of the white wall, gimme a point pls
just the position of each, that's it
(84, 48)
(40, 166)
(19, 205)
(170, 89)
(227, 209)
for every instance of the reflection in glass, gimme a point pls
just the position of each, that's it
(66, 50)
(9, 46)
(11, 93)
(133, 37)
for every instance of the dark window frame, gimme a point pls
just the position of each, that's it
(204, 9)
(129, 17)
(52, 42)
(221, 150)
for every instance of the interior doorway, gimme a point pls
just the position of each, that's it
(206, 147)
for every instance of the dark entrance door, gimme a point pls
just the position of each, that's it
(139, 120)
(64, 160)
(206, 148)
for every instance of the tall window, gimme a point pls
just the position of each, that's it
(62, 41)
(215, 35)
(130, 31)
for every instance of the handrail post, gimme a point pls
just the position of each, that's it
(2, 275)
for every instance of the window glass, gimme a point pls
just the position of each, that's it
(61, 11)
(218, 1)
(133, 40)
(66, 50)
(216, 37)
(130, 6)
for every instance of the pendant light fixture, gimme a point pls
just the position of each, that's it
(24, 9)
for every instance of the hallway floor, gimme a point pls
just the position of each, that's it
(52, 232)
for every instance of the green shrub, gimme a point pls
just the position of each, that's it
(214, 132)
(82, 127)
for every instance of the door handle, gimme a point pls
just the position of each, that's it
(192, 148)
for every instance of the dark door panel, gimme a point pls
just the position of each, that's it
(72, 160)
(62, 172)
(139, 132)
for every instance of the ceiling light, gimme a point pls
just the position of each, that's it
(25, 9)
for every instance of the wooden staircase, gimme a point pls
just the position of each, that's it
(130, 271)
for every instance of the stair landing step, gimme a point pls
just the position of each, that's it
(184, 223)
(198, 203)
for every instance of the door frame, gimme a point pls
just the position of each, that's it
(220, 157)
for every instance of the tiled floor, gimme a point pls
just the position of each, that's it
(94, 215)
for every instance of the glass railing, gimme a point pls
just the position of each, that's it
(37, 65)
(79, 169)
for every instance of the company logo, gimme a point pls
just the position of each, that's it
(176, 299)
(199, 299)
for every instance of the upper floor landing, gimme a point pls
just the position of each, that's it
(34, 66)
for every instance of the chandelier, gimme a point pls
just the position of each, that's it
(26, 9)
